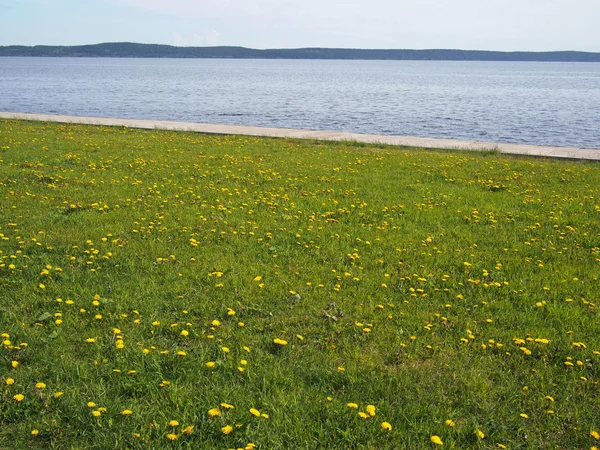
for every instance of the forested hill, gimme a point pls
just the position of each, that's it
(133, 50)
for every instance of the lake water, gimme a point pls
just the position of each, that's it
(518, 102)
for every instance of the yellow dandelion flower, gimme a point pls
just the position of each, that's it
(96, 413)
(58, 394)
(214, 412)
(188, 429)
(595, 434)
(18, 398)
(172, 436)
(35, 432)
(227, 406)
(524, 416)
(173, 423)
(14, 364)
(386, 426)
(479, 434)
(363, 415)
(225, 349)
(279, 341)
(450, 423)
(126, 412)
(227, 429)
(352, 405)
(371, 410)
(436, 440)
(10, 381)
(215, 323)
(40, 385)
(255, 412)
(210, 364)
(91, 404)
(184, 333)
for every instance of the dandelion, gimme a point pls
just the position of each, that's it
(227, 406)
(10, 381)
(91, 404)
(352, 405)
(225, 349)
(255, 412)
(58, 394)
(90, 340)
(524, 416)
(214, 412)
(450, 423)
(173, 423)
(14, 364)
(279, 341)
(595, 434)
(127, 412)
(184, 333)
(188, 429)
(227, 429)
(96, 413)
(181, 353)
(436, 440)
(18, 398)
(210, 364)
(35, 432)
(172, 436)
(386, 426)
(479, 434)
(363, 415)
(40, 385)
(371, 410)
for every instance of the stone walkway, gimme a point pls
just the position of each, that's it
(409, 141)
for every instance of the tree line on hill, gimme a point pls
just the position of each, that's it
(134, 50)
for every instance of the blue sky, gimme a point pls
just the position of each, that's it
(534, 25)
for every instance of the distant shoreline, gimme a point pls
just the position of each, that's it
(135, 50)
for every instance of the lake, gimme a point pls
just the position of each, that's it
(517, 102)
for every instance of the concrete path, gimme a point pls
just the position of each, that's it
(517, 149)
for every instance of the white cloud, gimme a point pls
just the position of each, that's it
(208, 38)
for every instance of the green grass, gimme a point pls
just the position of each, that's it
(434, 285)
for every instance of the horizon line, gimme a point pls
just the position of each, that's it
(300, 48)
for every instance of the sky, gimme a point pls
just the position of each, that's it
(508, 25)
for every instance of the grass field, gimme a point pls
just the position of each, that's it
(176, 290)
